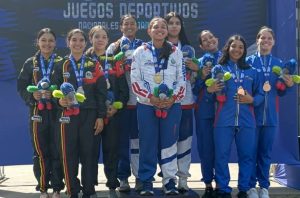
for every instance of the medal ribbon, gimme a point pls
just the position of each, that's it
(158, 63)
(46, 74)
(238, 76)
(266, 68)
(78, 74)
(106, 66)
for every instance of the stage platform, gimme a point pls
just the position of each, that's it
(20, 182)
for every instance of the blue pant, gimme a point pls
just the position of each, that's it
(184, 143)
(245, 143)
(206, 150)
(158, 136)
(129, 144)
(264, 139)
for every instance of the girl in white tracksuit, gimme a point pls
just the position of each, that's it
(177, 36)
(158, 64)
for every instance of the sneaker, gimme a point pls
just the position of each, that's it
(223, 195)
(242, 194)
(209, 193)
(44, 195)
(138, 185)
(182, 185)
(124, 186)
(252, 193)
(89, 196)
(55, 195)
(170, 188)
(263, 193)
(147, 189)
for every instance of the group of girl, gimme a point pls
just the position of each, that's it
(141, 101)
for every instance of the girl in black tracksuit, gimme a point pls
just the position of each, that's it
(42, 116)
(76, 137)
(118, 89)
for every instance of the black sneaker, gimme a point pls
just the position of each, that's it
(170, 188)
(242, 194)
(223, 195)
(209, 193)
(147, 189)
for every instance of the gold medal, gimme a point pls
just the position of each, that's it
(241, 91)
(157, 78)
(267, 86)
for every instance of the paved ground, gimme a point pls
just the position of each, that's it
(19, 182)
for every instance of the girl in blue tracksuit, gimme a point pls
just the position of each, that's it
(205, 111)
(128, 132)
(267, 112)
(235, 116)
(177, 36)
(157, 70)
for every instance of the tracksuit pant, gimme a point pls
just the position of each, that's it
(265, 136)
(110, 147)
(158, 137)
(205, 145)
(184, 143)
(129, 144)
(245, 144)
(76, 144)
(46, 163)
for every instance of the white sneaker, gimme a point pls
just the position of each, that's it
(182, 184)
(263, 193)
(44, 195)
(252, 193)
(55, 195)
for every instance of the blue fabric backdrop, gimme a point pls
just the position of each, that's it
(20, 20)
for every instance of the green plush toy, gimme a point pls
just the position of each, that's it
(162, 92)
(289, 68)
(42, 86)
(219, 76)
(67, 91)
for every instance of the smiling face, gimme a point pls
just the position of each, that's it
(174, 27)
(99, 40)
(265, 42)
(129, 27)
(77, 43)
(46, 43)
(158, 30)
(236, 50)
(209, 42)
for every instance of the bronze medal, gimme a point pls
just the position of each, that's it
(267, 86)
(157, 78)
(241, 91)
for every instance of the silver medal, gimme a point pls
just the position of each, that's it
(107, 84)
(80, 90)
(88, 75)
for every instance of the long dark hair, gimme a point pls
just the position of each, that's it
(182, 36)
(225, 55)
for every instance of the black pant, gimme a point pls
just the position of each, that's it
(76, 141)
(110, 146)
(46, 164)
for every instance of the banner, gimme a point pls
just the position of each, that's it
(21, 20)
